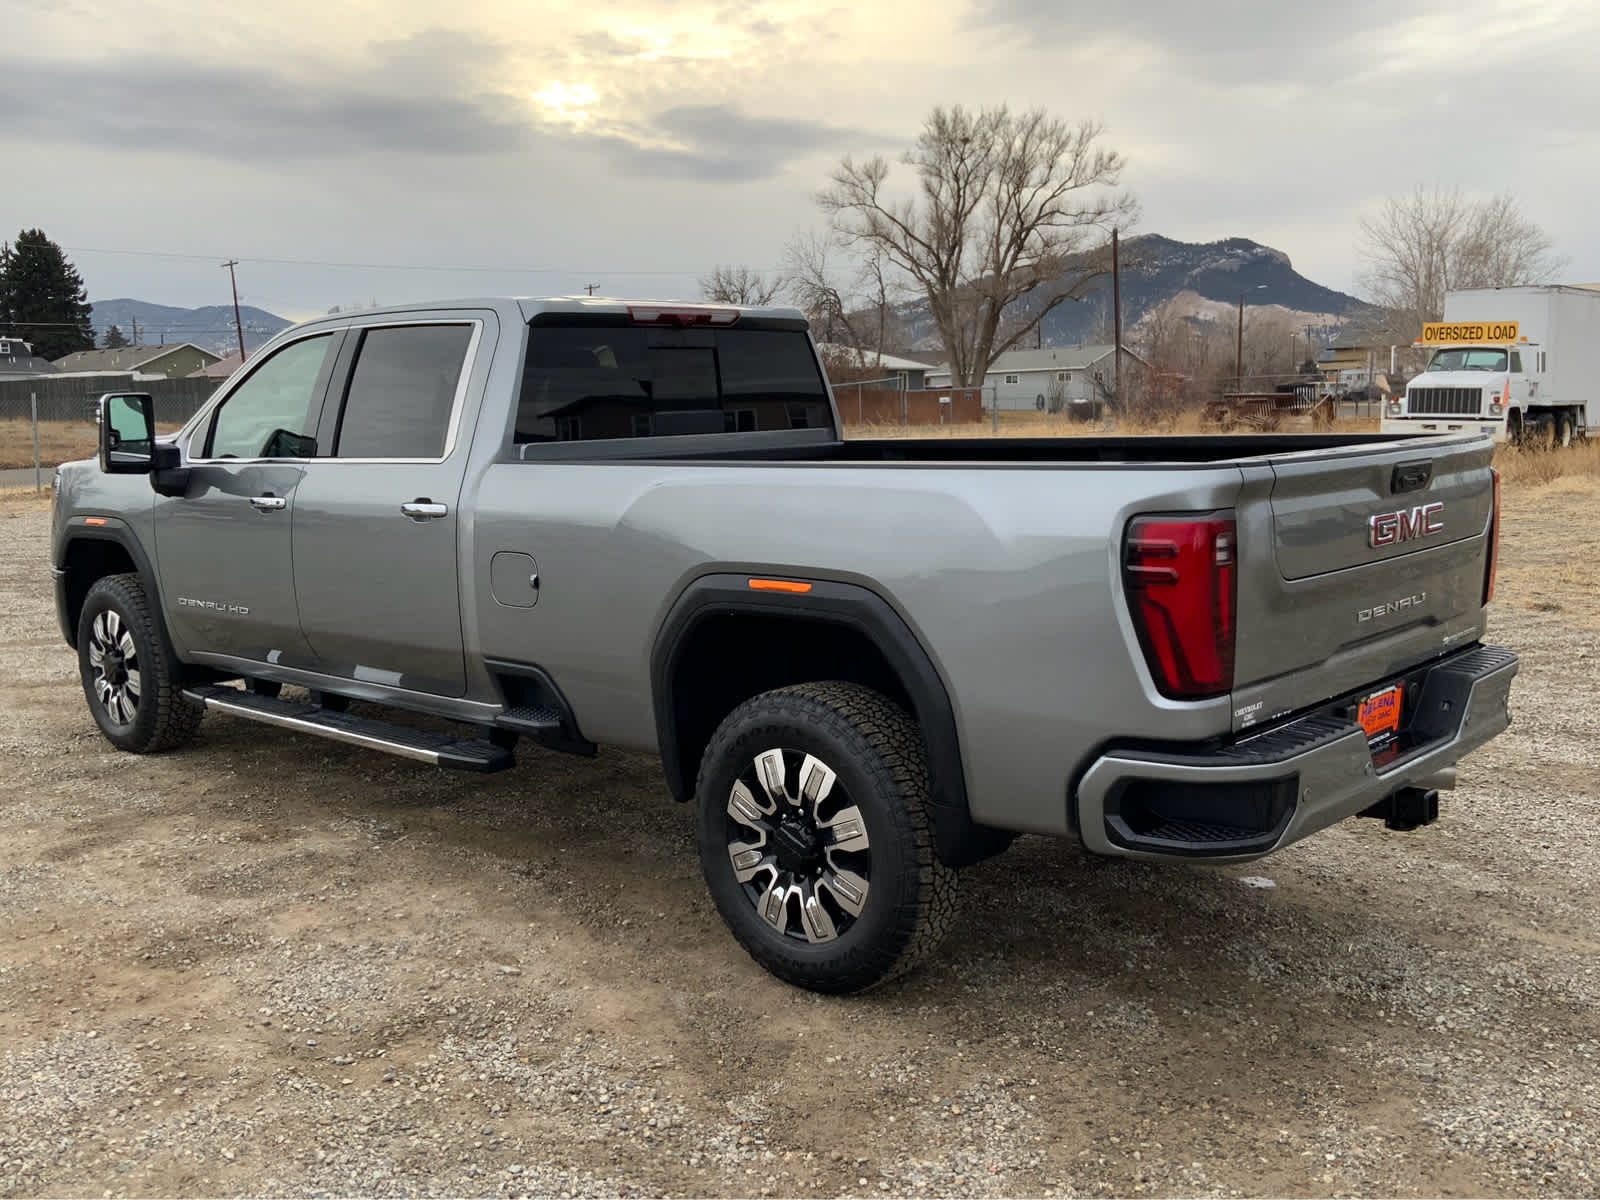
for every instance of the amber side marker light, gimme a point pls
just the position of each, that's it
(780, 585)
(94, 520)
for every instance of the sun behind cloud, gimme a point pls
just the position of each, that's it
(566, 103)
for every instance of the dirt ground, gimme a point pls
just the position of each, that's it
(271, 964)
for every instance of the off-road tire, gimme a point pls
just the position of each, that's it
(162, 719)
(879, 760)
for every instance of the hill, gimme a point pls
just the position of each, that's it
(1205, 277)
(210, 327)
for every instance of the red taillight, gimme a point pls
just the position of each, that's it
(1181, 576)
(681, 315)
(1494, 541)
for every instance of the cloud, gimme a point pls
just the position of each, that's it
(599, 43)
(253, 115)
(1257, 38)
(723, 143)
(397, 106)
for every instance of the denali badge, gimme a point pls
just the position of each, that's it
(1390, 528)
(236, 610)
(1389, 608)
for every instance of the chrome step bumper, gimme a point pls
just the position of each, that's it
(1249, 797)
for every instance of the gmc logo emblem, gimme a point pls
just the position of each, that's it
(1391, 528)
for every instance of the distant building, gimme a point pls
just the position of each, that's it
(1352, 362)
(139, 362)
(911, 374)
(219, 370)
(18, 361)
(1049, 379)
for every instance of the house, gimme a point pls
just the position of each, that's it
(908, 373)
(18, 361)
(219, 370)
(1049, 379)
(1352, 362)
(139, 362)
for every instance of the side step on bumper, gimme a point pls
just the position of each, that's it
(1261, 792)
(439, 749)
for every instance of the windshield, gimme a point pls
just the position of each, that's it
(1468, 358)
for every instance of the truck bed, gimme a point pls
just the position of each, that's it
(981, 450)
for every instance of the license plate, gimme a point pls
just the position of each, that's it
(1380, 714)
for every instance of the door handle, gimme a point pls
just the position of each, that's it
(268, 503)
(423, 509)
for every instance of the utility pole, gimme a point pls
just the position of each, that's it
(238, 324)
(1238, 359)
(136, 331)
(591, 288)
(1116, 325)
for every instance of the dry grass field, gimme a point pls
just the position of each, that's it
(59, 442)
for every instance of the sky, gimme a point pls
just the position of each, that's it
(395, 150)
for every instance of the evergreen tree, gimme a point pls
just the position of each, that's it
(114, 339)
(42, 298)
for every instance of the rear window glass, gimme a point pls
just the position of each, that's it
(402, 392)
(591, 381)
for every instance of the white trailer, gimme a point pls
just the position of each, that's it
(1519, 362)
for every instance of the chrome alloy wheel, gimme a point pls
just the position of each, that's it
(801, 855)
(114, 659)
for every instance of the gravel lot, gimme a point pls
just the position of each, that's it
(270, 964)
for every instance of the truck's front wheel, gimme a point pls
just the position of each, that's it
(129, 672)
(814, 837)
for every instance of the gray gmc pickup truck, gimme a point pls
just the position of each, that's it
(580, 522)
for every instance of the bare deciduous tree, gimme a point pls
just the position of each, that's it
(849, 304)
(1420, 246)
(1012, 213)
(740, 285)
(1189, 357)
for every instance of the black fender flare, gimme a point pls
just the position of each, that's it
(958, 839)
(107, 529)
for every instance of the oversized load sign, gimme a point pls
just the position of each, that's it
(1439, 333)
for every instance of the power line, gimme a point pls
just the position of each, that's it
(160, 325)
(359, 266)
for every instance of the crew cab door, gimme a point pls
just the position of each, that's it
(377, 522)
(223, 547)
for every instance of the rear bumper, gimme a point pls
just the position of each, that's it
(1250, 797)
(1434, 426)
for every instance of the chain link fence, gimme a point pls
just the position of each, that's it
(49, 420)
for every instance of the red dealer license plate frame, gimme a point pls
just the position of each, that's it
(1379, 715)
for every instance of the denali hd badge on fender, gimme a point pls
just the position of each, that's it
(1390, 528)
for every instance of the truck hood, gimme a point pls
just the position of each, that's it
(1493, 381)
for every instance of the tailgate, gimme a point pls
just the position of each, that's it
(1357, 565)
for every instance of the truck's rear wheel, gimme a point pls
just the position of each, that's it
(1563, 430)
(129, 672)
(814, 838)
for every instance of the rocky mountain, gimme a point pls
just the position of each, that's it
(1206, 278)
(210, 327)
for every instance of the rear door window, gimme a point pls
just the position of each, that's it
(402, 392)
(605, 379)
